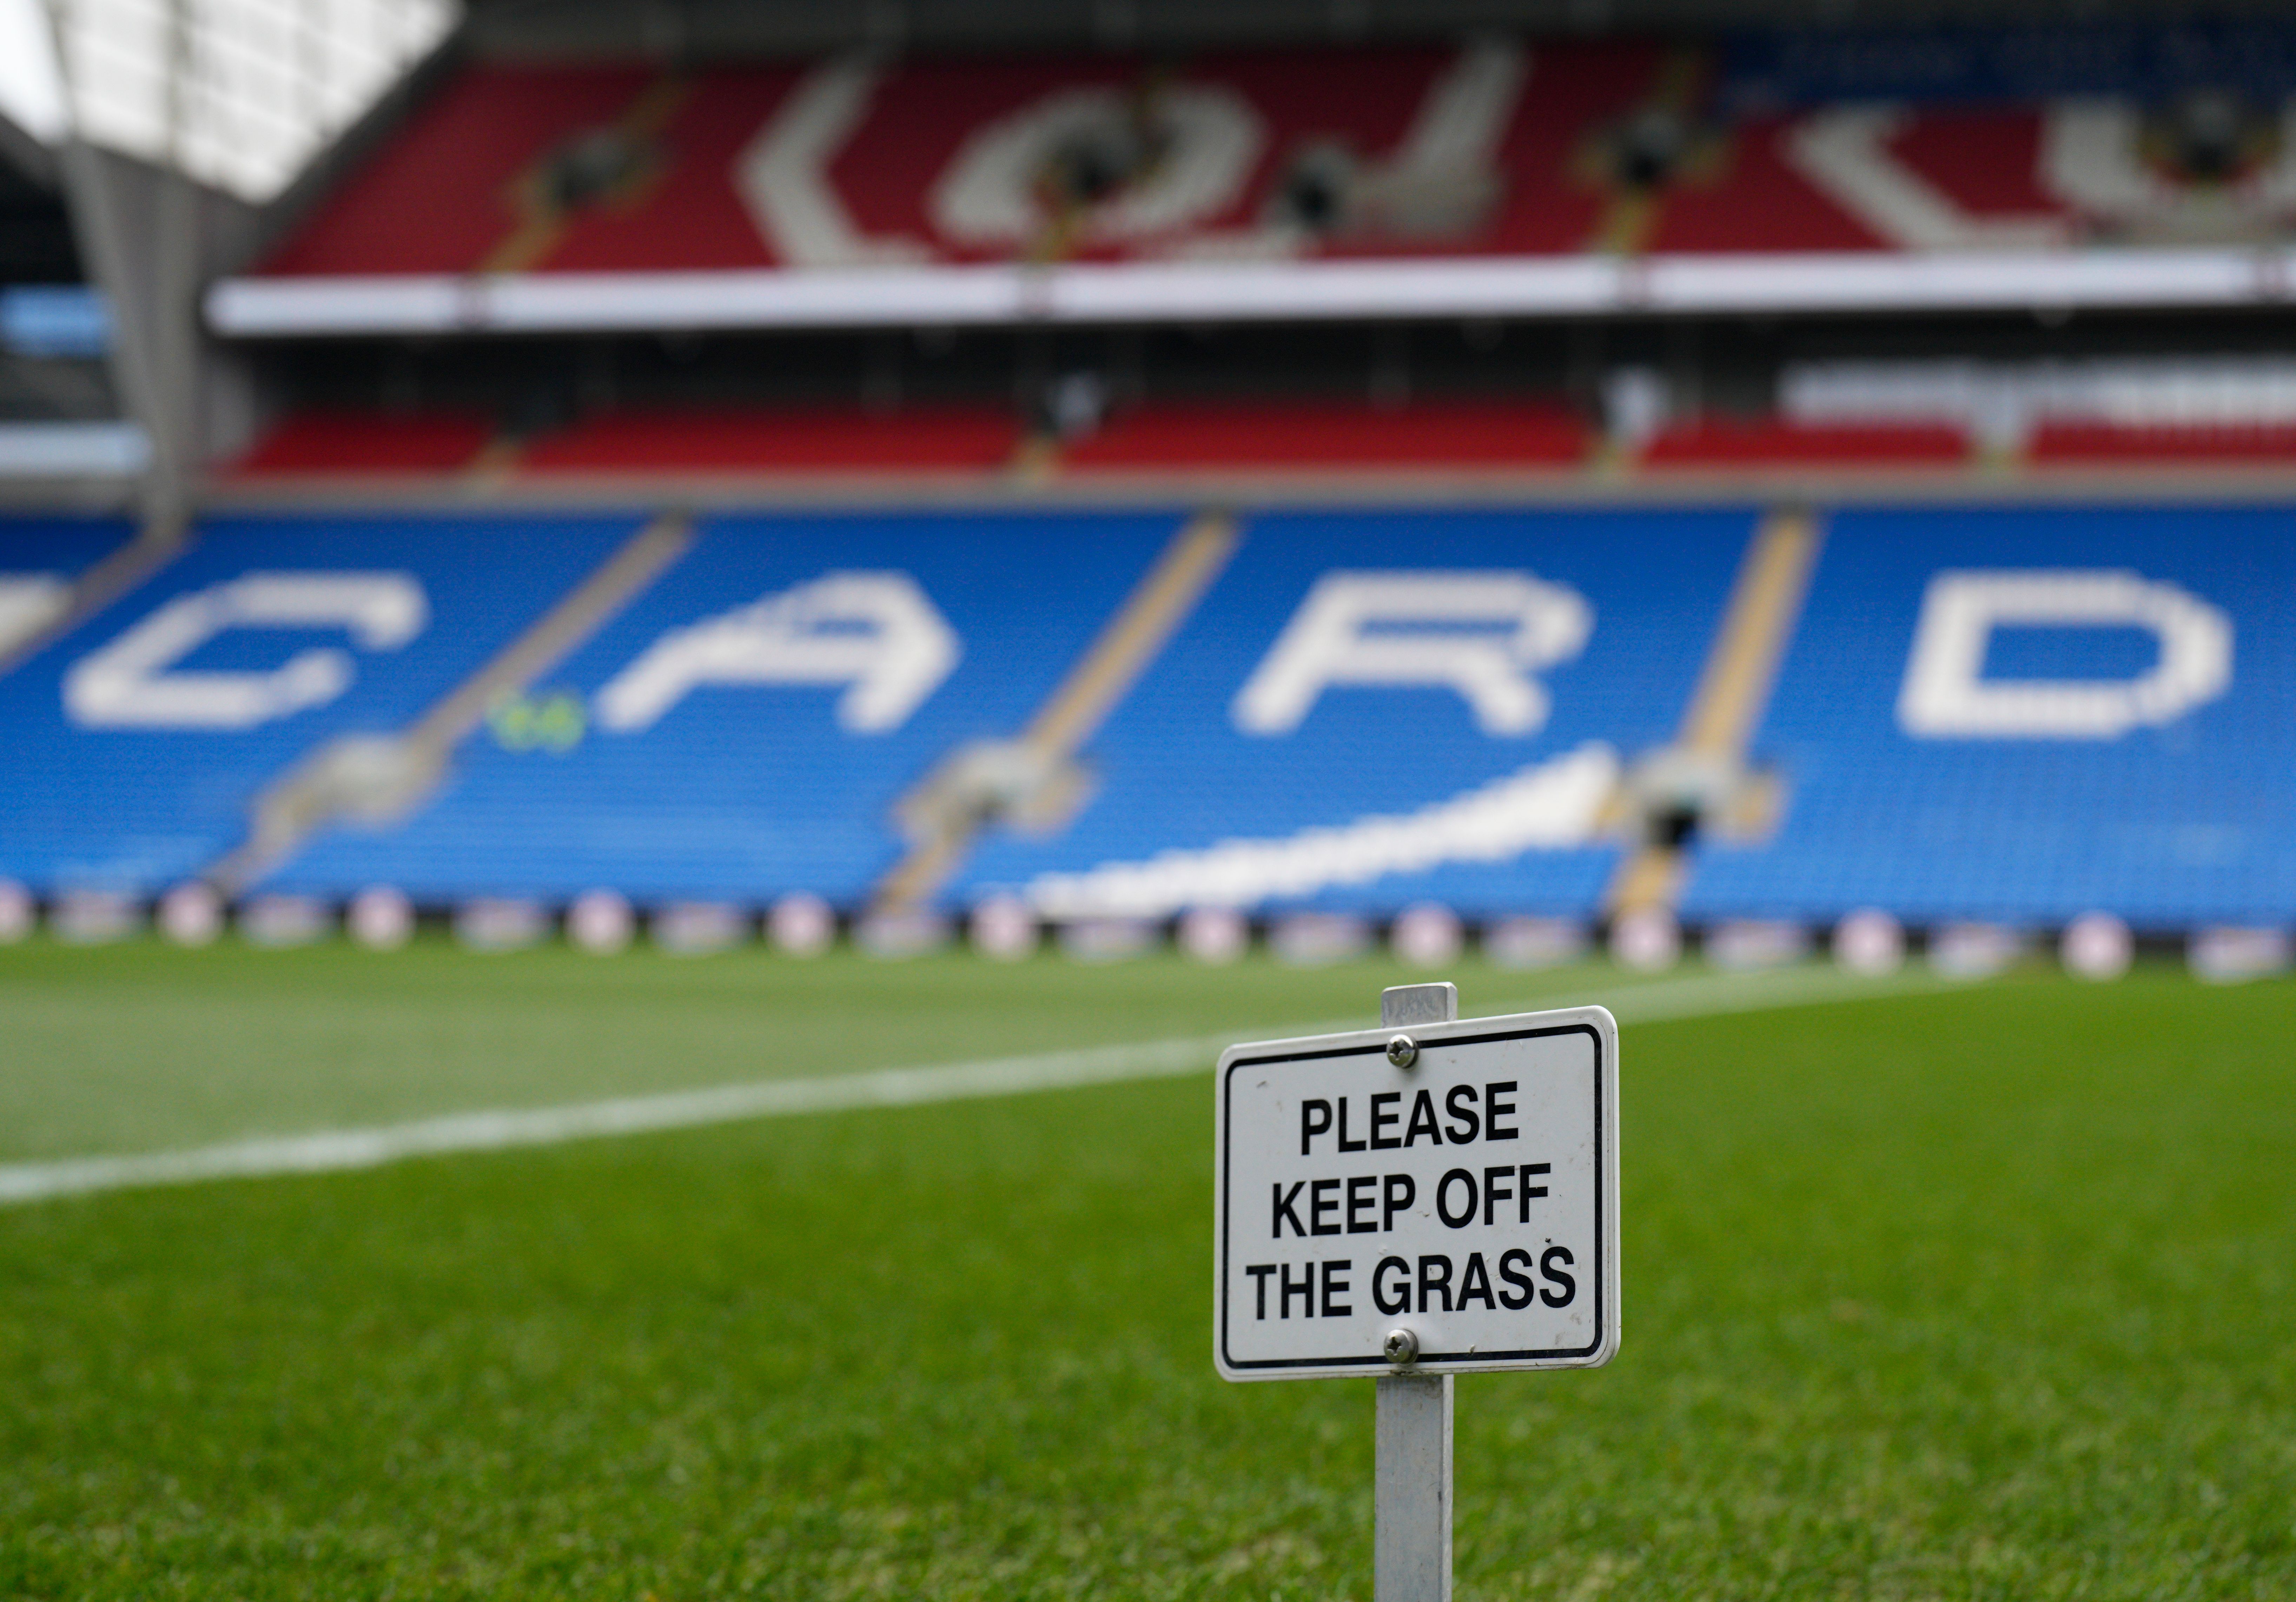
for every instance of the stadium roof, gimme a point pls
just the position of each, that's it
(239, 94)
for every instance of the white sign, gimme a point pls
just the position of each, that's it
(1465, 1197)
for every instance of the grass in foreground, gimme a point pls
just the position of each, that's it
(1977, 1294)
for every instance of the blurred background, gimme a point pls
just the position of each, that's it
(544, 543)
(1540, 473)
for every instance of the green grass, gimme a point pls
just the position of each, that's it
(1978, 1293)
(139, 1046)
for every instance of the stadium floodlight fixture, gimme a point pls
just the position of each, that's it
(240, 94)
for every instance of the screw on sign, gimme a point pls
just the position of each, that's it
(1434, 1197)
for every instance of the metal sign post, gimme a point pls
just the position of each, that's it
(1430, 1198)
(1411, 1503)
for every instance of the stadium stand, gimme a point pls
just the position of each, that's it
(2024, 714)
(1274, 434)
(40, 559)
(1768, 442)
(2160, 411)
(1252, 766)
(2104, 445)
(58, 547)
(818, 439)
(1198, 417)
(355, 444)
(622, 196)
(747, 726)
(2043, 710)
(144, 738)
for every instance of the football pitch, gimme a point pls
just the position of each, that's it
(1975, 1292)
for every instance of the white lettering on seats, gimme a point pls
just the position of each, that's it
(1946, 695)
(1547, 806)
(128, 683)
(1849, 154)
(2094, 157)
(989, 195)
(783, 175)
(875, 633)
(1482, 633)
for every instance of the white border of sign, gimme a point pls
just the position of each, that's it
(1595, 1021)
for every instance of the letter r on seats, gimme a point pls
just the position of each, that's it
(1483, 634)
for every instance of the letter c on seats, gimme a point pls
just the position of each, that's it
(131, 683)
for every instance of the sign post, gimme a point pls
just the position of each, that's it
(1411, 1504)
(1430, 1198)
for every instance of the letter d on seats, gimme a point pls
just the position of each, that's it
(1946, 695)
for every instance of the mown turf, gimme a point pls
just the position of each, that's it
(1977, 1294)
(140, 1046)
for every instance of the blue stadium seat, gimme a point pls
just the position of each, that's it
(139, 741)
(40, 557)
(682, 780)
(1367, 796)
(63, 545)
(2058, 764)
(2009, 713)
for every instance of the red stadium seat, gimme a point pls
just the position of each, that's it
(439, 197)
(949, 439)
(1775, 442)
(2097, 444)
(1316, 435)
(360, 442)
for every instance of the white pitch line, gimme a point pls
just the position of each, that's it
(329, 1151)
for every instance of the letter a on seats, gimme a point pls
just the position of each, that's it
(1946, 695)
(128, 683)
(874, 633)
(1481, 634)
